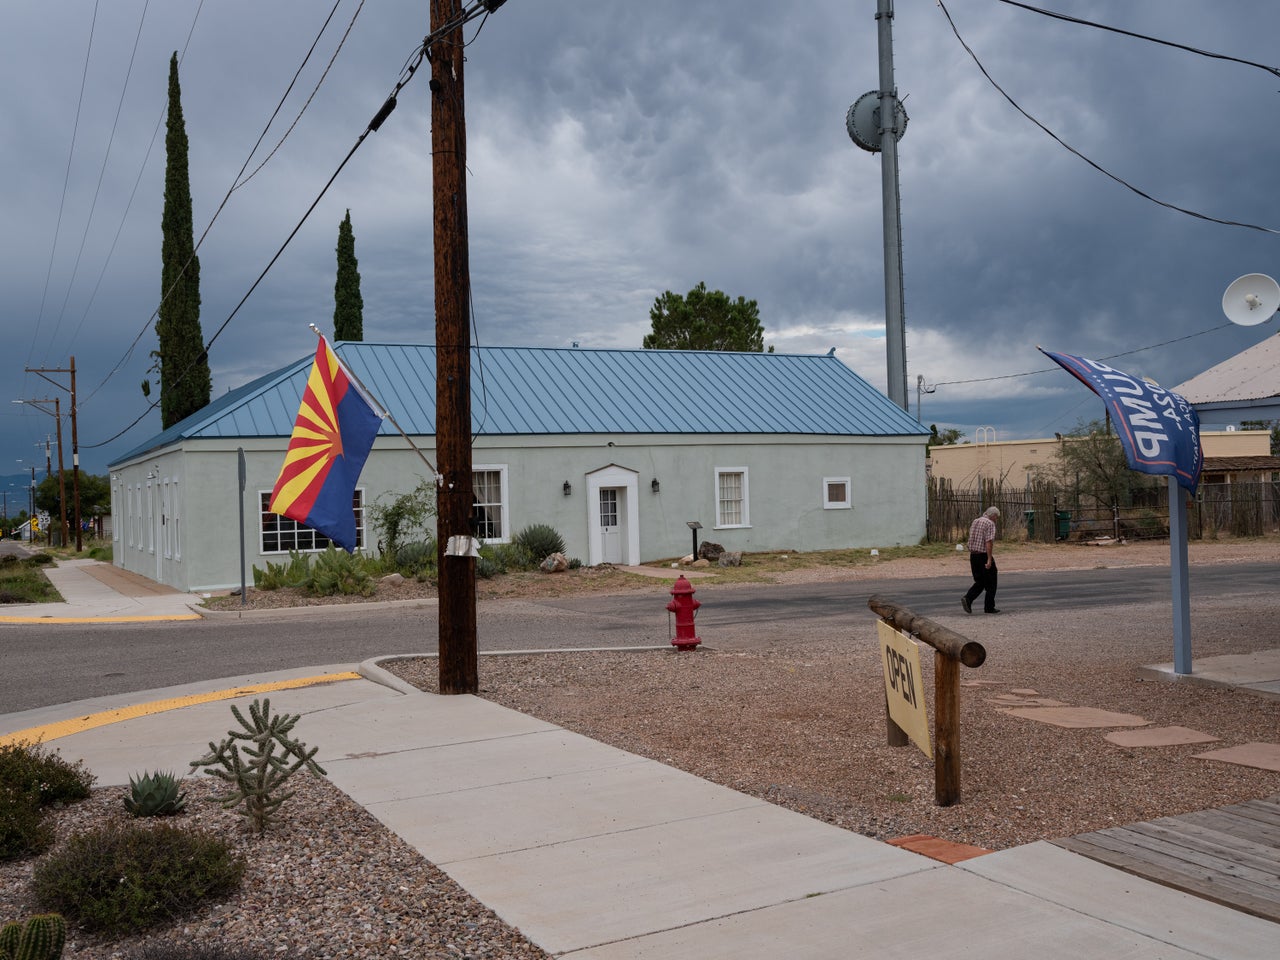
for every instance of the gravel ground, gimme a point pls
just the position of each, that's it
(799, 725)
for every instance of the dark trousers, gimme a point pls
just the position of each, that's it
(984, 578)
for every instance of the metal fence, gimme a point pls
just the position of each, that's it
(1043, 513)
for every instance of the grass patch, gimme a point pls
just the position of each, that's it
(22, 581)
(763, 567)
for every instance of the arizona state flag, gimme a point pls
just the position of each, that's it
(331, 440)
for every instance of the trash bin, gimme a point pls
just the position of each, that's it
(1030, 517)
(1062, 524)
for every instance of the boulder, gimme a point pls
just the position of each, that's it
(392, 580)
(709, 551)
(554, 563)
(731, 558)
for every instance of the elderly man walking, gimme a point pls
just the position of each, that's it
(982, 561)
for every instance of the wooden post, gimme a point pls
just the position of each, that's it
(457, 572)
(75, 459)
(952, 650)
(946, 729)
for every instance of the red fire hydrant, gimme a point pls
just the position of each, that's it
(684, 606)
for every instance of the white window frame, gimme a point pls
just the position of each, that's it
(745, 509)
(175, 520)
(117, 494)
(286, 528)
(830, 504)
(165, 539)
(149, 524)
(503, 505)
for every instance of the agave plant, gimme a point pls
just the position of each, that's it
(154, 795)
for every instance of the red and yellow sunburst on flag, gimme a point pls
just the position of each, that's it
(332, 435)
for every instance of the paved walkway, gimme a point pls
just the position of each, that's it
(598, 854)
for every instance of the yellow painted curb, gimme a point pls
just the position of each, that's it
(65, 728)
(140, 619)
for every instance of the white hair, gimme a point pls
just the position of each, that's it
(991, 512)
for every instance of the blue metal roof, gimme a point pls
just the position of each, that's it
(529, 391)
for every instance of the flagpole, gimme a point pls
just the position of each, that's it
(373, 402)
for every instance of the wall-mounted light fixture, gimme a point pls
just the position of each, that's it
(655, 486)
(568, 489)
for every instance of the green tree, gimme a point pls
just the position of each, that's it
(185, 382)
(705, 320)
(348, 305)
(944, 438)
(1091, 460)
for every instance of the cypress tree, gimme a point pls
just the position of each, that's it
(348, 305)
(185, 382)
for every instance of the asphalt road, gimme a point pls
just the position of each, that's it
(47, 664)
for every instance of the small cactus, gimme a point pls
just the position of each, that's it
(154, 795)
(40, 938)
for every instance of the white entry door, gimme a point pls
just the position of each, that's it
(610, 526)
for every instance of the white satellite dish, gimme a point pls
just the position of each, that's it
(1251, 299)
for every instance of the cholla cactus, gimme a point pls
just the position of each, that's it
(40, 938)
(155, 795)
(257, 776)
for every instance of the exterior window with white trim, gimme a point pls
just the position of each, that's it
(279, 534)
(175, 520)
(489, 489)
(732, 509)
(835, 493)
(150, 522)
(166, 521)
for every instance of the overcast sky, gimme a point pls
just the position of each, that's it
(619, 149)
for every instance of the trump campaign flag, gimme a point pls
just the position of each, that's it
(1159, 430)
(331, 439)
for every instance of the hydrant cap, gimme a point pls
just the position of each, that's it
(681, 586)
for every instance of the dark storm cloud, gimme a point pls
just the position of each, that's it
(616, 150)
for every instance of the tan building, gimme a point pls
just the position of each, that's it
(1010, 461)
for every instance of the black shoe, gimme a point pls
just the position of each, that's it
(967, 604)
(990, 611)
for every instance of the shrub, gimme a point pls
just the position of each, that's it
(124, 878)
(416, 558)
(31, 767)
(339, 572)
(539, 541)
(22, 828)
(496, 558)
(404, 518)
(155, 795)
(38, 560)
(256, 782)
(295, 573)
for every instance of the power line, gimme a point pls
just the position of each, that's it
(1105, 172)
(234, 184)
(1274, 71)
(421, 53)
(1113, 356)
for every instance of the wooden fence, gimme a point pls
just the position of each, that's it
(1039, 511)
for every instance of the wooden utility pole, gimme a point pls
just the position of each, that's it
(75, 447)
(457, 569)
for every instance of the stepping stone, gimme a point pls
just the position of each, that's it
(1078, 717)
(947, 851)
(1025, 692)
(1008, 701)
(1264, 756)
(1158, 737)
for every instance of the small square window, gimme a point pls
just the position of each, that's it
(835, 493)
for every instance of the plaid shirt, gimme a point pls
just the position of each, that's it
(980, 531)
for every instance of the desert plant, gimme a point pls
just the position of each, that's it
(155, 795)
(30, 766)
(405, 517)
(295, 573)
(39, 938)
(257, 776)
(416, 557)
(539, 541)
(123, 878)
(22, 828)
(338, 572)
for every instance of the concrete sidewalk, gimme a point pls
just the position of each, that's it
(599, 854)
(98, 592)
